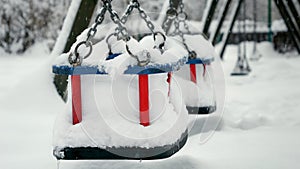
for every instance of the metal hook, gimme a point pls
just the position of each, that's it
(107, 42)
(141, 63)
(77, 60)
(162, 45)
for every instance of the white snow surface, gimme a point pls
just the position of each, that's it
(111, 114)
(260, 126)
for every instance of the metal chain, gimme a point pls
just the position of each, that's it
(99, 20)
(128, 11)
(134, 4)
(121, 31)
(171, 15)
(181, 19)
(74, 58)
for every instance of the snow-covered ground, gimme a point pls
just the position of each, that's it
(260, 128)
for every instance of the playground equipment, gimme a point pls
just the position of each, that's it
(195, 78)
(120, 105)
(286, 8)
(242, 66)
(255, 53)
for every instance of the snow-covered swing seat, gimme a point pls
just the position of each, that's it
(196, 77)
(120, 107)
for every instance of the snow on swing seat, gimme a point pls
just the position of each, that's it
(196, 77)
(138, 70)
(110, 126)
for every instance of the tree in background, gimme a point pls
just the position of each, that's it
(24, 22)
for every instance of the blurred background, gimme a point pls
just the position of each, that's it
(26, 22)
(261, 116)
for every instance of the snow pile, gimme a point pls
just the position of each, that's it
(274, 90)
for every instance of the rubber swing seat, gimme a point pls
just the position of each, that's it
(201, 110)
(121, 153)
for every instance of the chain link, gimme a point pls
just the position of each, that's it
(134, 4)
(171, 15)
(121, 31)
(181, 19)
(99, 19)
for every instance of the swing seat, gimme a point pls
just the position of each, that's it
(192, 71)
(115, 153)
(199, 96)
(203, 109)
(74, 151)
(240, 72)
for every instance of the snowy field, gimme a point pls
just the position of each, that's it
(260, 127)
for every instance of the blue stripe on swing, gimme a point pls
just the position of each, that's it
(112, 56)
(78, 70)
(200, 61)
(84, 70)
(149, 69)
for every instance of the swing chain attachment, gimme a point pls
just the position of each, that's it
(108, 44)
(160, 47)
(144, 53)
(75, 59)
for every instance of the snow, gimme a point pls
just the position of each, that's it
(28, 104)
(112, 117)
(260, 126)
(200, 94)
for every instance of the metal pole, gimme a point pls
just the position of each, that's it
(254, 25)
(231, 27)
(244, 31)
(208, 20)
(290, 25)
(294, 12)
(270, 20)
(220, 24)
